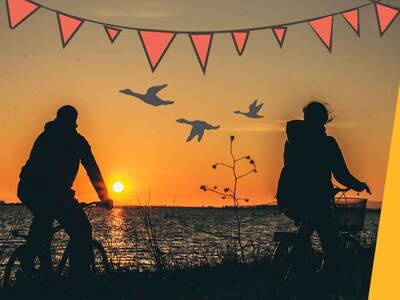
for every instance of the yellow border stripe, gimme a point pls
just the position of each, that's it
(385, 284)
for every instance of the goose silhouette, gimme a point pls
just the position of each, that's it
(150, 97)
(253, 111)
(198, 128)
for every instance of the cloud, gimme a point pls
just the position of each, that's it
(280, 126)
(271, 126)
(343, 125)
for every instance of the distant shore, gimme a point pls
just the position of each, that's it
(371, 206)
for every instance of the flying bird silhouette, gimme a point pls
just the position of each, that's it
(150, 97)
(198, 128)
(253, 111)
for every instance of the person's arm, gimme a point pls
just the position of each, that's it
(341, 172)
(93, 171)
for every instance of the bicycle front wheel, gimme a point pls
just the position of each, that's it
(99, 266)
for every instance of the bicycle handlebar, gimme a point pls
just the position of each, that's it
(15, 232)
(338, 190)
(94, 203)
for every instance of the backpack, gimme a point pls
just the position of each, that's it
(288, 193)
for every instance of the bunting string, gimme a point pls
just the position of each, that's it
(157, 41)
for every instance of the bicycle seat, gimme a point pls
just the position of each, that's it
(285, 236)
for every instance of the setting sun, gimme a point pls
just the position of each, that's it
(118, 187)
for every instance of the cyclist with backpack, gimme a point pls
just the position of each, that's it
(311, 157)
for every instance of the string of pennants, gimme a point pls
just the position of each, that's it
(157, 42)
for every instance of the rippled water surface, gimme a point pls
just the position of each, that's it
(187, 236)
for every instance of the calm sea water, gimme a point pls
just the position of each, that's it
(187, 236)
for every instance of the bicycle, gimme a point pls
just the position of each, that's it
(349, 215)
(43, 264)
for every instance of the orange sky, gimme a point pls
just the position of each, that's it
(143, 146)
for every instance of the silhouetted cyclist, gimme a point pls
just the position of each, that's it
(45, 188)
(310, 159)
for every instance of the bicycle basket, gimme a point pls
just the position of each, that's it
(349, 215)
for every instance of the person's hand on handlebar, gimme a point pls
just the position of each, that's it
(107, 203)
(338, 190)
(365, 187)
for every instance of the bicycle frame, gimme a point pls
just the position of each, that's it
(302, 236)
(15, 232)
(48, 261)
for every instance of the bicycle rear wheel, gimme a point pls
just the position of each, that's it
(14, 274)
(99, 266)
(282, 263)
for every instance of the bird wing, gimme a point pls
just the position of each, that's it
(253, 105)
(192, 134)
(200, 135)
(258, 107)
(155, 89)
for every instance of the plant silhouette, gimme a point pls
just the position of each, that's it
(152, 238)
(232, 192)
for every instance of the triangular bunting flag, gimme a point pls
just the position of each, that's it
(352, 17)
(155, 44)
(19, 10)
(202, 44)
(68, 27)
(112, 33)
(240, 40)
(279, 33)
(323, 27)
(386, 15)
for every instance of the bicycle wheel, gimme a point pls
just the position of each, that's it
(354, 277)
(99, 266)
(282, 263)
(353, 283)
(14, 273)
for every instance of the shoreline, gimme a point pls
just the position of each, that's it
(229, 279)
(272, 207)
